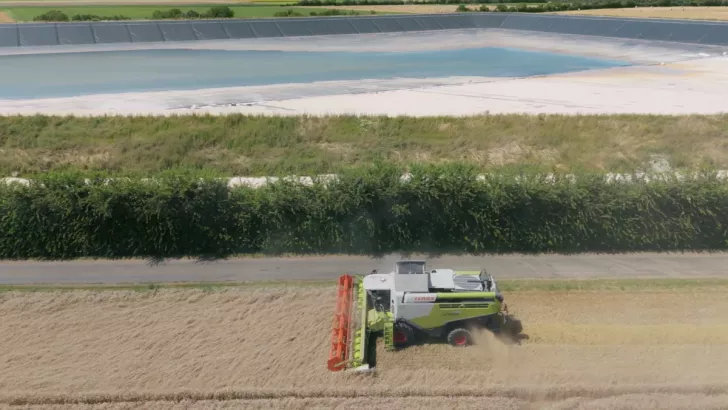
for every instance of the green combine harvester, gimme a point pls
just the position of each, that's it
(413, 305)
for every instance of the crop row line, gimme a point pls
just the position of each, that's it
(519, 392)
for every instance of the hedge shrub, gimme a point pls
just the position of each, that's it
(442, 209)
(59, 16)
(52, 15)
(217, 12)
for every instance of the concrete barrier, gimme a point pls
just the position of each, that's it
(257, 182)
(54, 34)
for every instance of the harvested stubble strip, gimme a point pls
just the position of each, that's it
(144, 349)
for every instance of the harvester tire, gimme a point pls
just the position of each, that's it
(404, 335)
(460, 337)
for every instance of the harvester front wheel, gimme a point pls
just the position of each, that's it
(404, 335)
(460, 337)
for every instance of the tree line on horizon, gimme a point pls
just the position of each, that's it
(171, 14)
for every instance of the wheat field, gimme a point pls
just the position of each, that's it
(257, 348)
(676, 12)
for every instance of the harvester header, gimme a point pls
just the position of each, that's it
(349, 327)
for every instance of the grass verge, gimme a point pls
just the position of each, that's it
(249, 145)
(512, 285)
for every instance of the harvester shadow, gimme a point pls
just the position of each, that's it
(512, 339)
(505, 339)
(517, 339)
(372, 344)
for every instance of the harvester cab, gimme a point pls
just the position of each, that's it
(413, 305)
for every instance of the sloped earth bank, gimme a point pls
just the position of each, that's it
(267, 348)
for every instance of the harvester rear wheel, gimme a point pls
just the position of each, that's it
(460, 337)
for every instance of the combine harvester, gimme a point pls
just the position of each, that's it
(412, 305)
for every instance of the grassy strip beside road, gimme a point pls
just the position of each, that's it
(252, 146)
(441, 209)
(507, 285)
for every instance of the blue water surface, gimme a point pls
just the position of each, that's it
(72, 74)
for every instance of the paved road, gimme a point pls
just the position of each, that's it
(550, 266)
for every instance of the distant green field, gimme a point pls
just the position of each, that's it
(161, 2)
(145, 11)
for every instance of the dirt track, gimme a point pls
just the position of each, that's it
(267, 348)
(407, 8)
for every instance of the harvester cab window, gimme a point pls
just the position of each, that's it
(410, 268)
